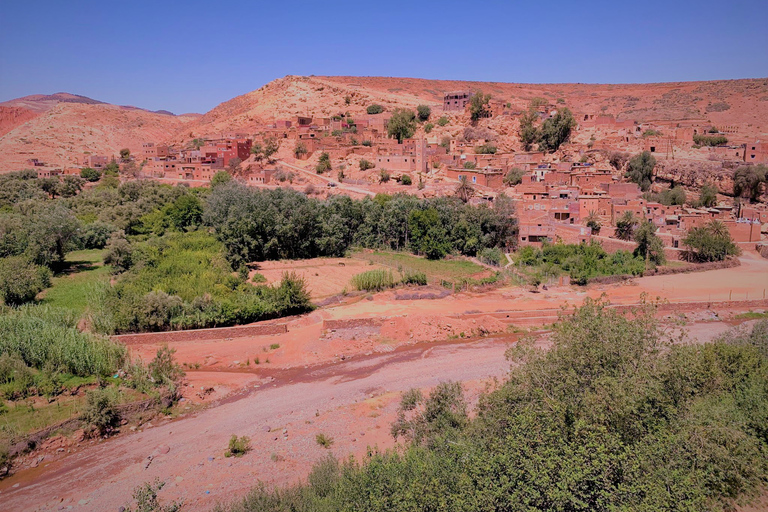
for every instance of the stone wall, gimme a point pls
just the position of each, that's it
(219, 333)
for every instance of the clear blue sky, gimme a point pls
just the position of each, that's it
(190, 56)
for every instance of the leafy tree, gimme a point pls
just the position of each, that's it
(402, 124)
(423, 112)
(528, 132)
(464, 190)
(95, 235)
(711, 242)
(21, 281)
(198, 143)
(625, 226)
(593, 223)
(708, 196)
(125, 154)
(235, 167)
(470, 165)
(478, 106)
(640, 169)
(556, 130)
(266, 149)
(220, 178)
(185, 212)
(514, 177)
(89, 174)
(428, 236)
(486, 149)
(119, 253)
(365, 165)
(70, 186)
(649, 245)
(748, 181)
(323, 163)
(428, 127)
(112, 169)
(617, 159)
(300, 150)
(374, 109)
(405, 180)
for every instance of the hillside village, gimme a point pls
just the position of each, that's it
(573, 190)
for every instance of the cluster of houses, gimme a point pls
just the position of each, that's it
(556, 204)
(554, 200)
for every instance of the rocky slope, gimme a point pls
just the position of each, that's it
(723, 102)
(64, 134)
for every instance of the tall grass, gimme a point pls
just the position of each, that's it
(373, 280)
(414, 277)
(43, 336)
(183, 281)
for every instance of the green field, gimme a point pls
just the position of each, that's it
(69, 288)
(436, 270)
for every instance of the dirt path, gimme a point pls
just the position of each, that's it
(354, 402)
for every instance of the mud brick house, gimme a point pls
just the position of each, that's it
(227, 149)
(456, 100)
(151, 150)
(492, 177)
(260, 177)
(98, 162)
(756, 152)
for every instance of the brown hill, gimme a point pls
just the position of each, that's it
(64, 134)
(723, 102)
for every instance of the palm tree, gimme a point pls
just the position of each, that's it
(464, 190)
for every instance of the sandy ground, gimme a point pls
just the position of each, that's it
(325, 276)
(353, 402)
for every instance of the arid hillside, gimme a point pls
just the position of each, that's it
(60, 129)
(723, 102)
(64, 134)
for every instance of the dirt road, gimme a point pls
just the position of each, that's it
(354, 402)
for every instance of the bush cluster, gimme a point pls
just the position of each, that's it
(257, 225)
(613, 417)
(580, 261)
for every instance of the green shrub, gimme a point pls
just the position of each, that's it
(238, 446)
(470, 165)
(486, 149)
(258, 278)
(514, 177)
(423, 112)
(21, 281)
(492, 256)
(323, 163)
(365, 165)
(374, 109)
(100, 411)
(384, 176)
(324, 441)
(710, 140)
(405, 180)
(89, 174)
(373, 280)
